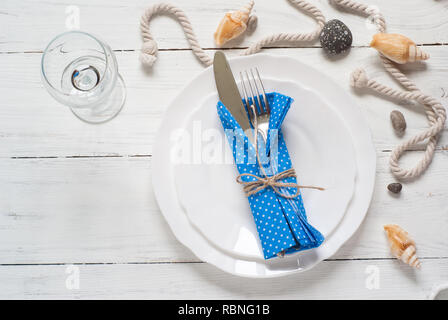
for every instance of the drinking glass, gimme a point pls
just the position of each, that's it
(81, 72)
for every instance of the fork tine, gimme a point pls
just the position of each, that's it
(248, 106)
(253, 94)
(243, 89)
(258, 91)
(268, 109)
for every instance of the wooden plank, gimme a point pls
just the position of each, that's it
(421, 206)
(103, 210)
(33, 124)
(59, 205)
(96, 210)
(381, 279)
(26, 26)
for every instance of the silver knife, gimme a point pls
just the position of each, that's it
(228, 91)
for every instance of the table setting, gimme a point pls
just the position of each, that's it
(264, 165)
(226, 223)
(280, 216)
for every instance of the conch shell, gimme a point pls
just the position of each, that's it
(233, 24)
(398, 48)
(401, 245)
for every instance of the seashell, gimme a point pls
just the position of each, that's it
(398, 121)
(395, 187)
(401, 245)
(233, 24)
(398, 48)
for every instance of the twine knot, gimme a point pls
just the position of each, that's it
(260, 183)
(358, 78)
(148, 55)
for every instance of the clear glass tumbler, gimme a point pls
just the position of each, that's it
(81, 71)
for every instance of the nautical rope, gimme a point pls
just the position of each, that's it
(435, 112)
(149, 50)
(292, 37)
(149, 47)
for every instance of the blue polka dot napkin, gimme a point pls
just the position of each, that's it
(281, 223)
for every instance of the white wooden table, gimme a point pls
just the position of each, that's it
(76, 200)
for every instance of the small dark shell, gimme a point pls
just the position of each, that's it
(398, 121)
(395, 187)
(335, 37)
(252, 23)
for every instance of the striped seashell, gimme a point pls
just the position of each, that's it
(233, 24)
(398, 48)
(401, 245)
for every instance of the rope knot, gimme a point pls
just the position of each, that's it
(358, 78)
(260, 183)
(148, 55)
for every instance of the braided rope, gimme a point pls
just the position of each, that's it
(149, 49)
(435, 112)
(292, 37)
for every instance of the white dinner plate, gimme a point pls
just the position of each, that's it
(278, 67)
(321, 151)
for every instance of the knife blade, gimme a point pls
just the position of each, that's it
(228, 91)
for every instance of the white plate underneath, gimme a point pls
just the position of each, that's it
(279, 67)
(321, 151)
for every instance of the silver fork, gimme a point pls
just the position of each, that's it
(251, 90)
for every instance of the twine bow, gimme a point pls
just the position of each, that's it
(254, 186)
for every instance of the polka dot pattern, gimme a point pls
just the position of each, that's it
(281, 223)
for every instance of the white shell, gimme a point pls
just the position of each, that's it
(401, 245)
(233, 24)
(398, 48)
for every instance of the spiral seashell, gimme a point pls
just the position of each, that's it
(398, 48)
(233, 24)
(401, 245)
